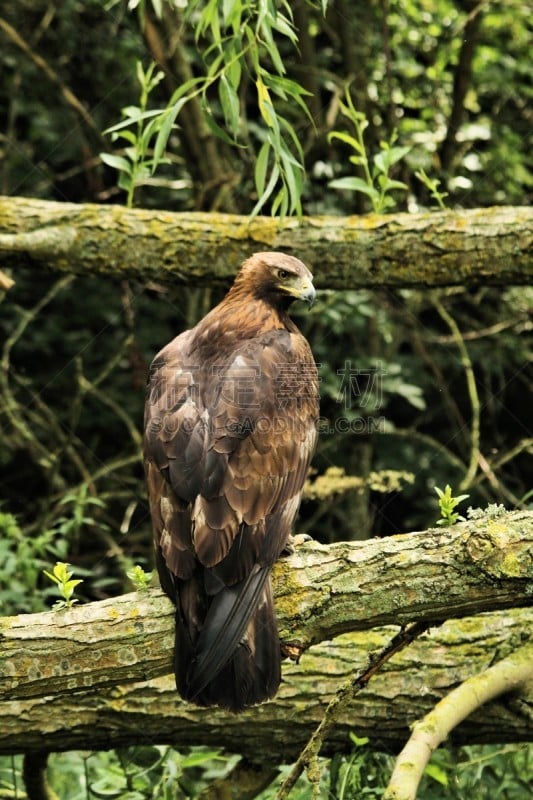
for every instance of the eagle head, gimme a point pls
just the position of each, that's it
(277, 278)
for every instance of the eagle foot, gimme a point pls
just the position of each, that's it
(292, 651)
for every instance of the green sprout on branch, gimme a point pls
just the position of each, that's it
(447, 503)
(432, 185)
(139, 578)
(62, 578)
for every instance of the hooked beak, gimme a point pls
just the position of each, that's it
(307, 293)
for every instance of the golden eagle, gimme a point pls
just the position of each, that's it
(230, 429)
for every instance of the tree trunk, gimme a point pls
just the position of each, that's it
(72, 678)
(446, 248)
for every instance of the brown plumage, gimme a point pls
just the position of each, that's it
(230, 429)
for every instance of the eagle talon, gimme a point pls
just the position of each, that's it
(292, 651)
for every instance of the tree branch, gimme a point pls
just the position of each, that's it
(405, 690)
(507, 675)
(320, 592)
(308, 758)
(57, 669)
(443, 248)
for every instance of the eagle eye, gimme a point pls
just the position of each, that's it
(283, 274)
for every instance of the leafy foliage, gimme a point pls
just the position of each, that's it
(139, 577)
(136, 164)
(376, 182)
(146, 772)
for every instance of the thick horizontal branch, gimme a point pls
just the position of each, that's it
(407, 689)
(320, 592)
(490, 246)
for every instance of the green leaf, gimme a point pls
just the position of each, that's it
(128, 136)
(217, 129)
(264, 102)
(357, 117)
(158, 8)
(397, 153)
(185, 89)
(285, 86)
(165, 130)
(437, 773)
(347, 139)
(280, 204)
(144, 140)
(354, 185)
(140, 116)
(199, 758)
(229, 101)
(261, 166)
(295, 140)
(294, 184)
(125, 181)
(272, 50)
(380, 162)
(230, 8)
(274, 176)
(234, 71)
(117, 162)
(387, 184)
(385, 159)
(71, 585)
(359, 161)
(359, 741)
(283, 25)
(51, 577)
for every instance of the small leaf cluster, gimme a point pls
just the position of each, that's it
(139, 577)
(62, 578)
(243, 42)
(432, 185)
(22, 558)
(447, 503)
(375, 182)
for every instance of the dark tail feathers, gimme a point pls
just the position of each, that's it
(235, 661)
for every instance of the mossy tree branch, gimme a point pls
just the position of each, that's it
(489, 246)
(59, 669)
(508, 675)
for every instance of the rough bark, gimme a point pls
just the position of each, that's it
(489, 246)
(406, 689)
(60, 672)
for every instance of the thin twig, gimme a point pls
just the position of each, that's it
(472, 393)
(308, 756)
(12, 408)
(52, 75)
(522, 323)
